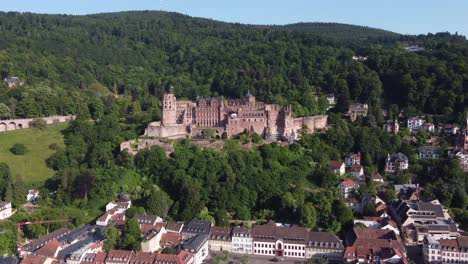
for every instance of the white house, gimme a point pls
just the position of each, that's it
(347, 188)
(396, 162)
(5, 210)
(32, 196)
(428, 127)
(151, 242)
(198, 246)
(353, 159)
(337, 167)
(357, 171)
(415, 123)
(428, 152)
(241, 240)
(220, 239)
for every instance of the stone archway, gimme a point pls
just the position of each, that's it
(11, 126)
(3, 127)
(20, 126)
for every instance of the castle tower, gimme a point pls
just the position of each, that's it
(169, 109)
(250, 98)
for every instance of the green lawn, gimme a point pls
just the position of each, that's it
(31, 166)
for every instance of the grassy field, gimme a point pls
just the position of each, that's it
(31, 166)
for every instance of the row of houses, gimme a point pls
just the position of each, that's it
(419, 123)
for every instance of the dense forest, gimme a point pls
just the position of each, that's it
(146, 51)
(70, 64)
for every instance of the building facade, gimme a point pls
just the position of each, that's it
(228, 118)
(445, 250)
(396, 163)
(241, 240)
(5, 210)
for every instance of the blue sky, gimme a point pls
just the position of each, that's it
(403, 16)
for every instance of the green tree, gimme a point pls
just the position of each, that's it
(308, 215)
(158, 203)
(111, 236)
(5, 112)
(18, 149)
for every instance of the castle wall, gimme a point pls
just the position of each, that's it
(15, 124)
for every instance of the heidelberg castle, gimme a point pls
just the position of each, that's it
(182, 119)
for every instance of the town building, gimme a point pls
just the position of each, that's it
(196, 226)
(347, 188)
(241, 240)
(198, 246)
(169, 240)
(337, 167)
(115, 212)
(415, 123)
(183, 257)
(374, 246)
(408, 191)
(142, 258)
(397, 162)
(353, 159)
(152, 240)
(391, 127)
(5, 210)
(220, 239)
(174, 228)
(418, 219)
(147, 219)
(230, 117)
(272, 240)
(324, 245)
(356, 110)
(36, 244)
(428, 152)
(378, 222)
(445, 251)
(119, 257)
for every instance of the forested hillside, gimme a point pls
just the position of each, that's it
(147, 51)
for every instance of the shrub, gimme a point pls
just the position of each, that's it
(54, 146)
(38, 123)
(19, 149)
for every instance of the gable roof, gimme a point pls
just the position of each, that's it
(333, 164)
(348, 183)
(49, 249)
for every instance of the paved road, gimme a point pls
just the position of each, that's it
(235, 259)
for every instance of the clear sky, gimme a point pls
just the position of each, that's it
(402, 16)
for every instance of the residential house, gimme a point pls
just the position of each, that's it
(428, 127)
(377, 178)
(220, 239)
(196, 226)
(353, 159)
(198, 246)
(374, 246)
(391, 127)
(377, 222)
(331, 101)
(93, 258)
(32, 196)
(449, 129)
(356, 110)
(13, 82)
(5, 210)
(428, 152)
(358, 172)
(115, 212)
(445, 250)
(337, 167)
(347, 188)
(415, 123)
(408, 191)
(241, 240)
(31, 259)
(396, 163)
(271, 240)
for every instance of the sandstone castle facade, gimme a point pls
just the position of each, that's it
(230, 116)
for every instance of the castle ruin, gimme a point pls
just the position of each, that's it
(182, 118)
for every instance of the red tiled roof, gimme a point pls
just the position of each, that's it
(356, 168)
(143, 258)
(348, 183)
(49, 249)
(146, 228)
(174, 227)
(30, 259)
(119, 256)
(181, 258)
(335, 164)
(170, 240)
